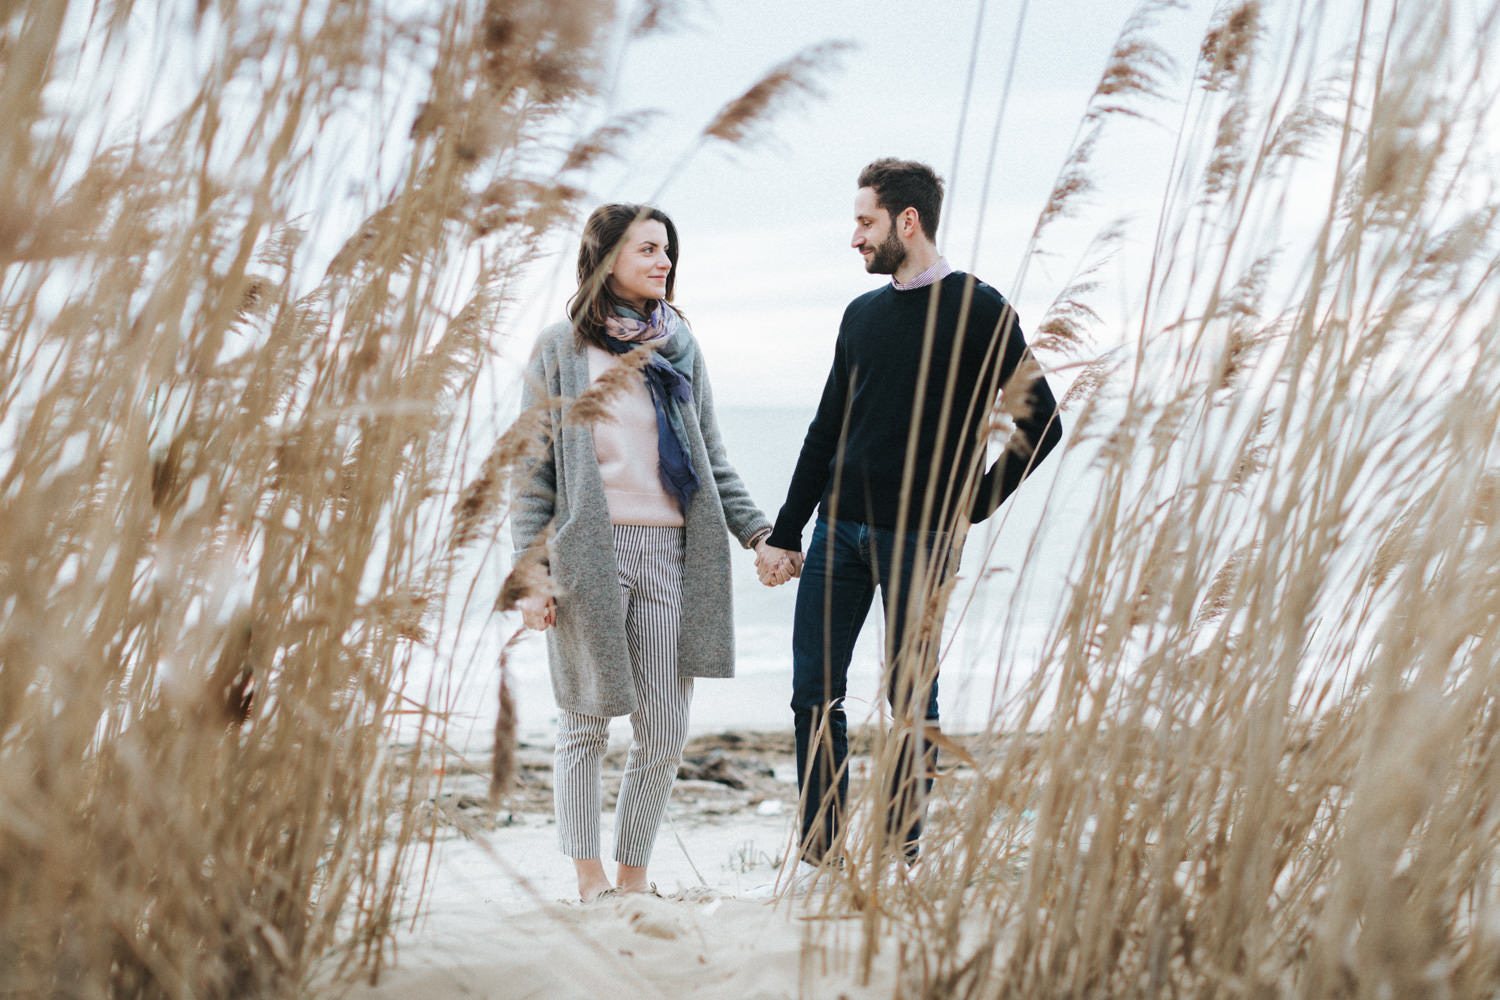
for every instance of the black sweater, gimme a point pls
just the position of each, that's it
(855, 456)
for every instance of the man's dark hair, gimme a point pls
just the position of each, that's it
(903, 184)
(594, 302)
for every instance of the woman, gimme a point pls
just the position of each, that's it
(639, 497)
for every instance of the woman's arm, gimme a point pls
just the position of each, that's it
(534, 503)
(528, 589)
(745, 520)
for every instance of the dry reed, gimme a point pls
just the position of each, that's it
(227, 461)
(1262, 731)
(740, 119)
(235, 434)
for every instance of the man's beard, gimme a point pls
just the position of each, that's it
(888, 256)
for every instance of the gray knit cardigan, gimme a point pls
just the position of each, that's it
(586, 649)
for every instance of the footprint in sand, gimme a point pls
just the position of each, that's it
(655, 921)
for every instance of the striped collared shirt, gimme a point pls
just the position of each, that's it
(937, 272)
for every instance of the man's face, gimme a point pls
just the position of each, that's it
(874, 236)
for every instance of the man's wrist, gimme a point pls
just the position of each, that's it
(782, 539)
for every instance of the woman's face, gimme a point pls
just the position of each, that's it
(639, 275)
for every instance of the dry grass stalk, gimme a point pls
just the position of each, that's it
(503, 766)
(1264, 721)
(605, 140)
(595, 403)
(742, 117)
(1136, 66)
(656, 16)
(1227, 49)
(224, 478)
(1134, 74)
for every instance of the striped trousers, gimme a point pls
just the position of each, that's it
(650, 565)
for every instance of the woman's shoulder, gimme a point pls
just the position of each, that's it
(555, 336)
(555, 342)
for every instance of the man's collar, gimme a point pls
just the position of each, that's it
(939, 270)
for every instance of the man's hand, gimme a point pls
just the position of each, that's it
(776, 566)
(538, 612)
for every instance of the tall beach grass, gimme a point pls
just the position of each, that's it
(254, 258)
(1256, 755)
(246, 281)
(1254, 758)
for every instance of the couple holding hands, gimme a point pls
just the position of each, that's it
(622, 522)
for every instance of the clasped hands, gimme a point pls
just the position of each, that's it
(776, 566)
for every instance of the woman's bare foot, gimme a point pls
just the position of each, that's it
(592, 882)
(633, 879)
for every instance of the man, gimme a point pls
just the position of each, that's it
(894, 461)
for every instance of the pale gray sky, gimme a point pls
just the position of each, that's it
(766, 268)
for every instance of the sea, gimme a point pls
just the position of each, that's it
(995, 633)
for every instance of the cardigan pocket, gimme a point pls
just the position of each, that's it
(556, 545)
(569, 562)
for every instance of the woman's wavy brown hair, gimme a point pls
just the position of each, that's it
(603, 233)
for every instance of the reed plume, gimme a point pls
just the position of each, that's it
(795, 77)
(1257, 739)
(226, 445)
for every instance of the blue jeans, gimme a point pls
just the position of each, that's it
(846, 563)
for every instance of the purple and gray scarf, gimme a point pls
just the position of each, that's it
(668, 380)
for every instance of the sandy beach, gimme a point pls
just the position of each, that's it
(499, 917)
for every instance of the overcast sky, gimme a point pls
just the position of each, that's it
(766, 267)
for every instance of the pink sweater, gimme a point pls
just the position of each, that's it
(625, 445)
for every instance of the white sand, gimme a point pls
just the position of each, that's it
(495, 924)
(499, 915)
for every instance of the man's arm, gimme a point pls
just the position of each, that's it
(1033, 409)
(810, 478)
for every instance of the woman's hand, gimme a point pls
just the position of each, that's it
(538, 612)
(776, 566)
